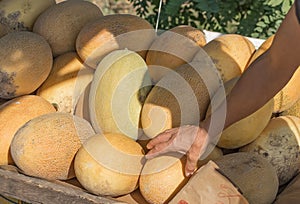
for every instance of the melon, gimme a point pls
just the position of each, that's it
(3, 30)
(20, 15)
(279, 144)
(45, 146)
(161, 178)
(66, 82)
(82, 105)
(294, 110)
(230, 53)
(173, 48)
(180, 98)
(262, 48)
(120, 85)
(109, 164)
(13, 115)
(61, 23)
(252, 174)
(247, 129)
(25, 63)
(113, 32)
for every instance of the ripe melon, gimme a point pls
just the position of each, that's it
(120, 85)
(173, 48)
(66, 82)
(82, 105)
(252, 174)
(13, 115)
(262, 48)
(180, 98)
(45, 146)
(113, 32)
(247, 129)
(109, 164)
(279, 144)
(294, 110)
(20, 15)
(25, 63)
(61, 23)
(161, 178)
(230, 53)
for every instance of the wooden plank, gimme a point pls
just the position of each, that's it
(35, 190)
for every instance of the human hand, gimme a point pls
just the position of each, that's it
(188, 139)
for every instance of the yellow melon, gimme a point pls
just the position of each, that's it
(294, 110)
(180, 98)
(13, 115)
(25, 63)
(118, 90)
(45, 146)
(230, 53)
(173, 48)
(262, 48)
(161, 178)
(247, 129)
(113, 32)
(279, 144)
(252, 174)
(61, 23)
(82, 105)
(66, 82)
(20, 15)
(109, 164)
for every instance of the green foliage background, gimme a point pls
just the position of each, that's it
(253, 18)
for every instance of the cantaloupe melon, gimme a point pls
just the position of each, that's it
(173, 48)
(120, 85)
(82, 105)
(25, 63)
(180, 98)
(161, 178)
(247, 129)
(20, 15)
(45, 146)
(252, 174)
(113, 32)
(294, 110)
(13, 115)
(230, 53)
(279, 144)
(109, 164)
(66, 82)
(61, 23)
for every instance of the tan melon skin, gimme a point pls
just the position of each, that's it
(173, 48)
(252, 174)
(25, 13)
(230, 53)
(113, 32)
(13, 115)
(102, 178)
(25, 63)
(45, 146)
(161, 178)
(279, 144)
(247, 129)
(66, 82)
(262, 48)
(61, 23)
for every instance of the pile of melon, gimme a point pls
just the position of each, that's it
(81, 93)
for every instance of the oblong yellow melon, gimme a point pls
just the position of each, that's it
(180, 98)
(66, 82)
(109, 164)
(113, 32)
(173, 48)
(13, 115)
(161, 178)
(25, 63)
(61, 23)
(252, 174)
(118, 90)
(247, 129)
(230, 53)
(45, 146)
(279, 144)
(20, 15)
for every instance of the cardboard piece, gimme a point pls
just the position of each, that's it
(209, 186)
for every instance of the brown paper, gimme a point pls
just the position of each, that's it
(208, 186)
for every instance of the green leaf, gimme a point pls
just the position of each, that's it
(274, 3)
(285, 7)
(261, 24)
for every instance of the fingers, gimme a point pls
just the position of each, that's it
(161, 138)
(158, 150)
